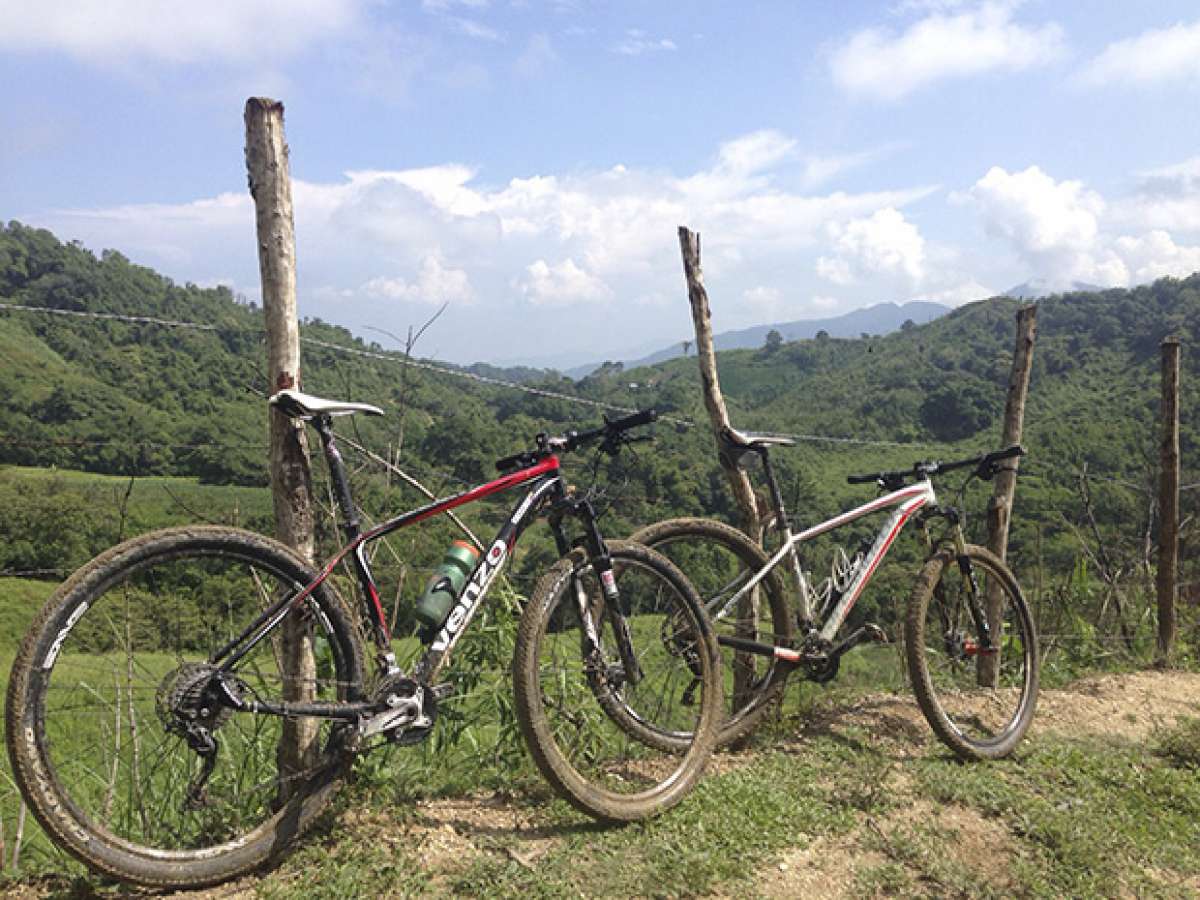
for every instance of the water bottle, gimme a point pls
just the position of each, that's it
(444, 585)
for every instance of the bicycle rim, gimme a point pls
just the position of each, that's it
(617, 747)
(120, 668)
(719, 561)
(979, 700)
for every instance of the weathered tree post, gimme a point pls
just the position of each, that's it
(291, 476)
(1000, 507)
(1168, 501)
(714, 402)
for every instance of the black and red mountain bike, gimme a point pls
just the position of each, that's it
(162, 732)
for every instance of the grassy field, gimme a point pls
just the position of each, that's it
(844, 794)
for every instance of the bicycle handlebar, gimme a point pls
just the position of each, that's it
(612, 432)
(986, 467)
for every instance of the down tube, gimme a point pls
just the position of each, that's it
(481, 579)
(875, 556)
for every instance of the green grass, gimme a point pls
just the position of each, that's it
(1079, 818)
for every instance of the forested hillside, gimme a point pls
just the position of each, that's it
(150, 398)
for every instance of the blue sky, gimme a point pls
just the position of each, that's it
(527, 162)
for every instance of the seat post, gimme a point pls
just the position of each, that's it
(337, 475)
(773, 487)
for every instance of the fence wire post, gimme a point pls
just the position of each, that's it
(1168, 502)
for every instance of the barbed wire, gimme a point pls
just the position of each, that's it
(436, 368)
(130, 442)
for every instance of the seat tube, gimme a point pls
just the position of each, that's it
(807, 613)
(338, 478)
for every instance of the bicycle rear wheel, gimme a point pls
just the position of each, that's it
(977, 717)
(617, 746)
(115, 670)
(719, 560)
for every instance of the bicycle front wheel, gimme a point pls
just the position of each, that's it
(978, 700)
(719, 560)
(620, 745)
(112, 694)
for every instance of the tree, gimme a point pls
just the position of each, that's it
(686, 346)
(822, 335)
(773, 342)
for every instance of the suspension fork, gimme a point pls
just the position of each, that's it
(963, 561)
(601, 561)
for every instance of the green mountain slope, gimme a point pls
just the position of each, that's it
(145, 398)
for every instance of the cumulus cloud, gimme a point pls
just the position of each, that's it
(1156, 255)
(1165, 198)
(435, 284)
(378, 245)
(114, 31)
(1053, 225)
(883, 243)
(878, 62)
(562, 284)
(1154, 56)
(1063, 231)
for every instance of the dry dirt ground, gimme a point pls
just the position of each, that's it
(1125, 706)
(1128, 707)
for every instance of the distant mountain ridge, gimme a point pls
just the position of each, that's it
(1036, 288)
(882, 318)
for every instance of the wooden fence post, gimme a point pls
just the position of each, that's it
(1000, 507)
(739, 482)
(1168, 502)
(291, 476)
(714, 402)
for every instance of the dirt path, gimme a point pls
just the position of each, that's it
(1129, 707)
(1126, 707)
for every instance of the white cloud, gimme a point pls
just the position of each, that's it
(564, 284)
(636, 42)
(820, 169)
(596, 243)
(114, 31)
(755, 151)
(1155, 255)
(960, 293)
(1166, 198)
(884, 243)
(1154, 56)
(1062, 231)
(476, 29)
(879, 63)
(435, 284)
(1053, 225)
(764, 300)
(835, 269)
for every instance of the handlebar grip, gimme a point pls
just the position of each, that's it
(862, 479)
(1007, 453)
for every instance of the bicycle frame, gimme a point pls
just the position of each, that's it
(545, 486)
(906, 501)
